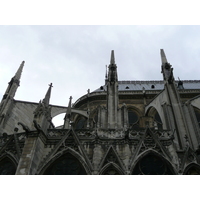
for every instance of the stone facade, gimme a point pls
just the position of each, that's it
(122, 128)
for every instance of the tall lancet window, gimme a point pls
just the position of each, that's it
(133, 120)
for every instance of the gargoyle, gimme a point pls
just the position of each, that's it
(25, 128)
(168, 72)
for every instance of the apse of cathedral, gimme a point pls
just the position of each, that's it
(121, 128)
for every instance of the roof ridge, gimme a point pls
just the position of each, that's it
(153, 81)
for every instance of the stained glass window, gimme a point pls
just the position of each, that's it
(66, 165)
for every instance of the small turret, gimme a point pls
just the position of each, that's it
(42, 114)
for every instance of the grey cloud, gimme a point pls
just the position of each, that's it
(73, 58)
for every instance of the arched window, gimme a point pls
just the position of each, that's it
(66, 165)
(132, 117)
(152, 165)
(192, 169)
(81, 123)
(133, 120)
(7, 167)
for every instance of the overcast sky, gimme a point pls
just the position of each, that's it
(73, 58)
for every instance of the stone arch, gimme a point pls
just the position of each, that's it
(67, 158)
(111, 169)
(55, 112)
(59, 110)
(192, 169)
(152, 163)
(8, 164)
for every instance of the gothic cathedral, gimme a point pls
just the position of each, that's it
(121, 128)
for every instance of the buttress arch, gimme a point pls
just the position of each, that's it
(56, 110)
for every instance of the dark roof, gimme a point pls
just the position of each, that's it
(149, 85)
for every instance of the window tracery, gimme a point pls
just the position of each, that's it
(152, 165)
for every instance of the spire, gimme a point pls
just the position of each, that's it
(14, 83)
(112, 69)
(163, 57)
(48, 95)
(112, 93)
(112, 59)
(19, 71)
(68, 113)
